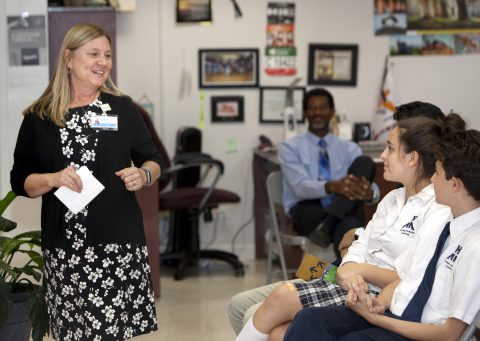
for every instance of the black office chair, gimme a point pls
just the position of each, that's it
(196, 200)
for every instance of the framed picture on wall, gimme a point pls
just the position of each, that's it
(194, 11)
(222, 68)
(332, 64)
(273, 100)
(227, 108)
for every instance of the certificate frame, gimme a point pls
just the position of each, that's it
(332, 64)
(272, 103)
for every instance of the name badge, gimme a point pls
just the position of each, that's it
(105, 122)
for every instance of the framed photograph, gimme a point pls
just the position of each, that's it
(194, 11)
(233, 68)
(332, 64)
(227, 108)
(273, 101)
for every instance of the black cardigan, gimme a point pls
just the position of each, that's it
(114, 215)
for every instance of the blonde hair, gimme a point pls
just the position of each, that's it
(53, 103)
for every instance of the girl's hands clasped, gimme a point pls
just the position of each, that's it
(364, 304)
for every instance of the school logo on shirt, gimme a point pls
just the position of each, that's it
(408, 229)
(452, 258)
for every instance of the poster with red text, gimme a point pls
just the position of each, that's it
(280, 53)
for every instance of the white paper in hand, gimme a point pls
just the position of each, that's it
(77, 201)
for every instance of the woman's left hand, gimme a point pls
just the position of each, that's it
(133, 178)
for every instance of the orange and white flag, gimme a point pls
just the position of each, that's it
(383, 121)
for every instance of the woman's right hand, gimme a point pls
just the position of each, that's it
(69, 178)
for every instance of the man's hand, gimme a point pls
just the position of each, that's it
(352, 187)
(346, 241)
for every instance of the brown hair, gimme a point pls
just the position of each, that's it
(424, 135)
(459, 153)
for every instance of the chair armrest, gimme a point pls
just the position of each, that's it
(182, 157)
(198, 159)
(194, 163)
(189, 160)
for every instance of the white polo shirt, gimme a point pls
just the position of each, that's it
(394, 226)
(455, 291)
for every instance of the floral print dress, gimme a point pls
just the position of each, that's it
(95, 292)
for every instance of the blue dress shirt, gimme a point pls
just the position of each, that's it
(299, 159)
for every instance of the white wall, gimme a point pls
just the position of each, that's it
(150, 48)
(316, 21)
(20, 86)
(3, 90)
(451, 82)
(138, 53)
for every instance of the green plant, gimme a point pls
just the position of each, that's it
(16, 279)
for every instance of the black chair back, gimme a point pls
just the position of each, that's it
(189, 140)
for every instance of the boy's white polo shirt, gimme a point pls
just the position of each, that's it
(457, 280)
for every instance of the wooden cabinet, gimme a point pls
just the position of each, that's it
(148, 200)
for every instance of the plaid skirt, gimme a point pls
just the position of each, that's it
(321, 293)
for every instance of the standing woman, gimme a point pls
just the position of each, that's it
(96, 266)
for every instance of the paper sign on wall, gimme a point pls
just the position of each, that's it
(280, 53)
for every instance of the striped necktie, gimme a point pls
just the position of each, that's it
(324, 170)
(414, 310)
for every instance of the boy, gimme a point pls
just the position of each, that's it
(452, 300)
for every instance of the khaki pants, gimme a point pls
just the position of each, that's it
(243, 305)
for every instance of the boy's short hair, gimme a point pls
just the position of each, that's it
(417, 108)
(459, 154)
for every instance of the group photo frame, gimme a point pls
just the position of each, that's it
(332, 64)
(227, 108)
(228, 68)
(273, 102)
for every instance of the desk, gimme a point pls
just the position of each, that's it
(266, 162)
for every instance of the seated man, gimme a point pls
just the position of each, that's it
(326, 179)
(436, 295)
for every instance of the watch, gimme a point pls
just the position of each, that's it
(149, 176)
